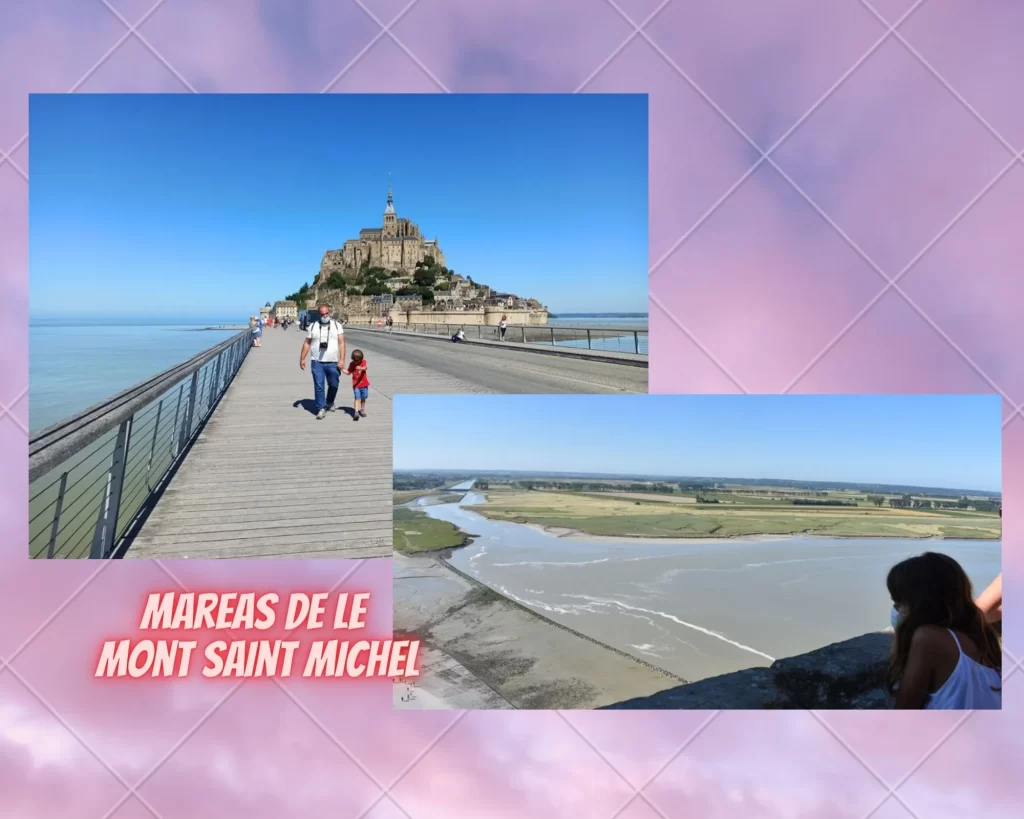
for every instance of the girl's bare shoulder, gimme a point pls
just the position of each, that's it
(931, 640)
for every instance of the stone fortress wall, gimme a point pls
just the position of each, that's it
(358, 310)
(489, 317)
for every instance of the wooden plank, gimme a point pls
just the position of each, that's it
(265, 478)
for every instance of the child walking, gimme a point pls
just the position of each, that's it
(945, 655)
(360, 384)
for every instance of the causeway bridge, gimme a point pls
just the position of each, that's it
(222, 456)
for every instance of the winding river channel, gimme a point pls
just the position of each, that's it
(698, 608)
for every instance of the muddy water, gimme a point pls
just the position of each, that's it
(699, 608)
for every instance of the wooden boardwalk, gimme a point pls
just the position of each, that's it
(266, 479)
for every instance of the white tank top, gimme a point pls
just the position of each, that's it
(971, 686)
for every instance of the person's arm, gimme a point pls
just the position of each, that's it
(990, 601)
(919, 671)
(305, 352)
(341, 347)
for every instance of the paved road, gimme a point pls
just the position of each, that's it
(430, 366)
(266, 479)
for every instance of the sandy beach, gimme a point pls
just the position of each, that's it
(484, 652)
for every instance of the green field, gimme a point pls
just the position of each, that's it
(636, 515)
(414, 531)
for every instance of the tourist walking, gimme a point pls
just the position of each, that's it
(502, 327)
(257, 331)
(329, 339)
(360, 384)
(391, 322)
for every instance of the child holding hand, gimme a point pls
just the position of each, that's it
(360, 384)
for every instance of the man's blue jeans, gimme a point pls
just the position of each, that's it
(324, 370)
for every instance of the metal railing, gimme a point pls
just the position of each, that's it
(606, 338)
(91, 475)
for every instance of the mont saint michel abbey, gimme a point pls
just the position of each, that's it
(397, 245)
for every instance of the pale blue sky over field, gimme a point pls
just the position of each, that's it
(948, 441)
(180, 206)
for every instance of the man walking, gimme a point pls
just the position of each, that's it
(329, 339)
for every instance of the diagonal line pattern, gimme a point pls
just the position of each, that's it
(890, 790)
(900, 782)
(131, 792)
(366, 49)
(611, 57)
(5, 664)
(891, 282)
(134, 32)
(672, 317)
(637, 792)
(6, 156)
(764, 154)
(5, 411)
(766, 158)
(678, 752)
(386, 30)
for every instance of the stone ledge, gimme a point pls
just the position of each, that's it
(846, 675)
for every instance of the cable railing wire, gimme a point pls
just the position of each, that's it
(93, 475)
(604, 338)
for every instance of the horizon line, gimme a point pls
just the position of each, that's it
(677, 478)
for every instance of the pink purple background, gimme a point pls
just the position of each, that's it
(891, 159)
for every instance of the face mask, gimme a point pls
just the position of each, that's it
(325, 319)
(895, 617)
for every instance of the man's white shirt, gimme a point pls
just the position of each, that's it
(319, 333)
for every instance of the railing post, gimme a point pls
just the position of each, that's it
(216, 380)
(177, 412)
(55, 527)
(588, 340)
(552, 336)
(524, 333)
(152, 447)
(636, 341)
(186, 428)
(106, 524)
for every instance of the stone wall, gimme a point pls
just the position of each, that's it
(846, 675)
(489, 316)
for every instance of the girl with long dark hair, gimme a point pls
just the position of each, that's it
(945, 655)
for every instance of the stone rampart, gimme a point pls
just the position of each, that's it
(489, 316)
(846, 675)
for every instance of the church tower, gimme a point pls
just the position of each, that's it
(390, 220)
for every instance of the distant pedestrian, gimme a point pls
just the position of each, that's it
(329, 338)
(257, 332)
(502, 327)
(360, 384)
(391, 322)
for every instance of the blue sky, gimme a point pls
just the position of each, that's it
(950, 441)
(183, 205)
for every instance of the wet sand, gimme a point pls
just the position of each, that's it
(484, 652)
